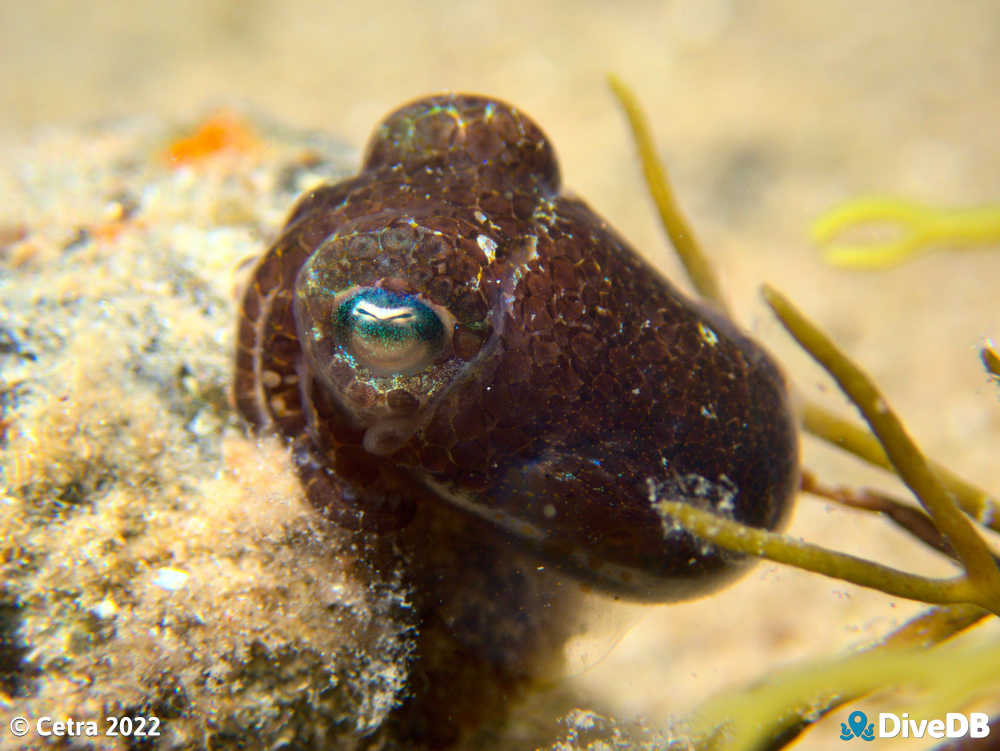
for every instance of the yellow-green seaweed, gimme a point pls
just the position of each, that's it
(906, 458)
(776, 710)
(918, 227)
(845, 435)
(696, 264)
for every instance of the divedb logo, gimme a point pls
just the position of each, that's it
(889, 725)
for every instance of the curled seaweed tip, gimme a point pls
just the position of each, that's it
(914, 228)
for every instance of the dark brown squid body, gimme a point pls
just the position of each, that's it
(574, 384)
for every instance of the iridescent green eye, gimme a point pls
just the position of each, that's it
(388, 332)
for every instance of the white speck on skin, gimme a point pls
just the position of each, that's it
(488, 246)
(707, 335)
(532, 248)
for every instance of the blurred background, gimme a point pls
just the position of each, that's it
(747, 97)
(767, 112)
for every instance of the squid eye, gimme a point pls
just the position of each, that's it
(389, 333)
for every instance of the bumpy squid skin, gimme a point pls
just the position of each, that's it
(446, 327)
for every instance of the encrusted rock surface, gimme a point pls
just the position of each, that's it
(154, 560)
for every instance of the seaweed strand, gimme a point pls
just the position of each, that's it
(783, 549)
(770, 714)
(699, 269)
(909, 462)
(845, 435)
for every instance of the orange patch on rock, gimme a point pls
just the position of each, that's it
(223, 132)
